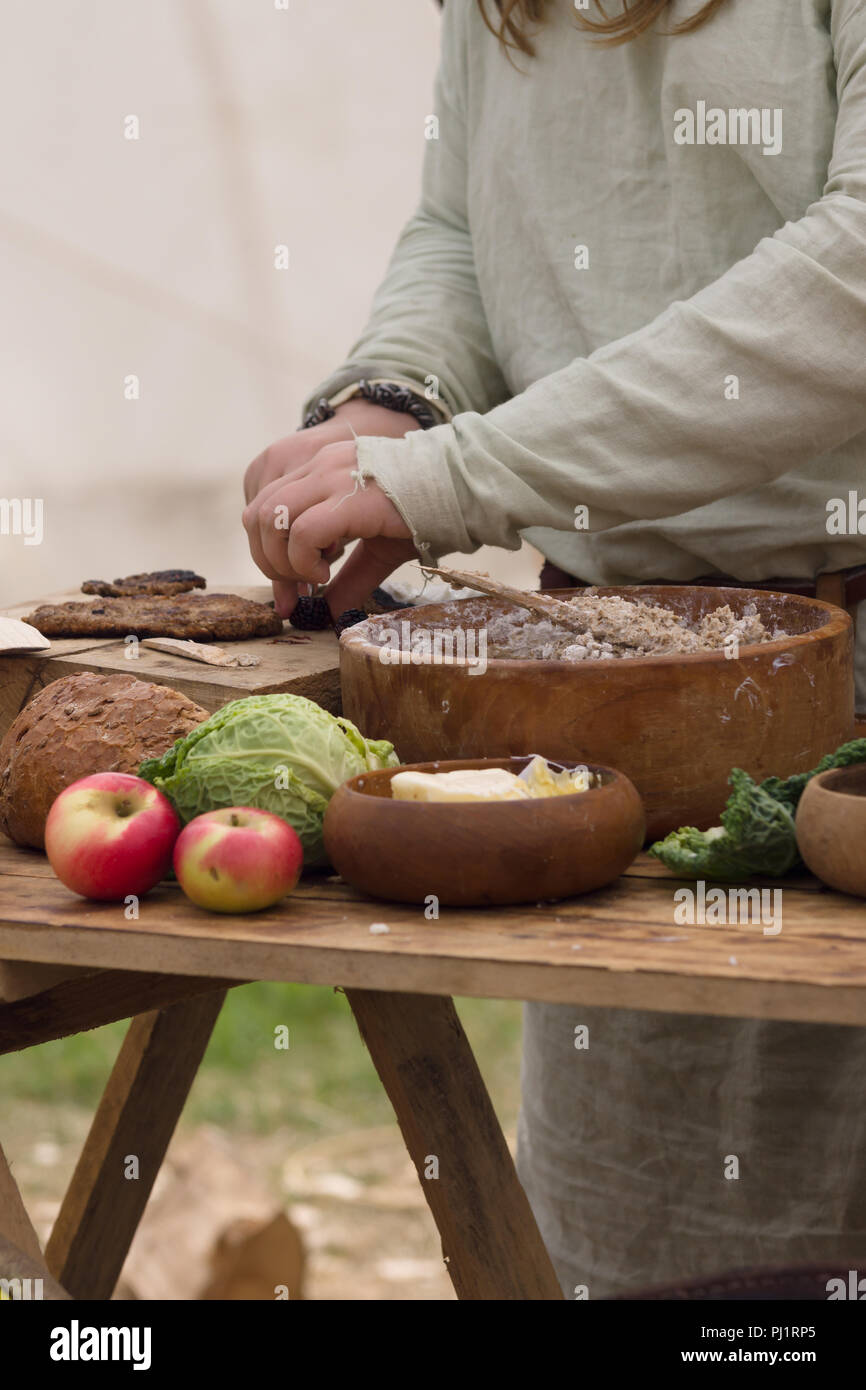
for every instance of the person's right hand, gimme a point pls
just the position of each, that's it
(296, 450)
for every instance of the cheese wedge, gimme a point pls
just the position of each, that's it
(481, 784)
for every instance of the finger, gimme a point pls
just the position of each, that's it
(285, 597)
(251, 479)
(364, 571)
(270, 490)
(257, 550)
(281, 460)
(265, 469)
(278, 518)
(313, 533)
(289, 456)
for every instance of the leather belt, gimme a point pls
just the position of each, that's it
(845, 588)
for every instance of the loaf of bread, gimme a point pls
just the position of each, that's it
(78, 725)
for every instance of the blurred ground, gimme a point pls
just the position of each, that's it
(308, 1130)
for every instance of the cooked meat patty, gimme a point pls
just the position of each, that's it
(202, 617)
(165, 582)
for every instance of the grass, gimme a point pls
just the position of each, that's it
(323, 1082)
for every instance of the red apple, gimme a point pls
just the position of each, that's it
(110, 836)
(238, 859)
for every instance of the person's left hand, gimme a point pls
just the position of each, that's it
(298, 523)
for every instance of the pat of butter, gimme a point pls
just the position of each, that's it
(543, 781)
(479, 784)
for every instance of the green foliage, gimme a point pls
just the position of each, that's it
(789, 790)
(324, 1082)
(757, 834)
(280, 753)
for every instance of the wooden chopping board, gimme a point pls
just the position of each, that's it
(308, 668)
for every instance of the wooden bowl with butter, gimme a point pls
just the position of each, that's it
(482, 853)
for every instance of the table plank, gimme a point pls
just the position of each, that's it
(620, 946)
(92, 999)
(21, 980)
(33, 864)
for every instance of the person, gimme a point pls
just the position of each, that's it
(633, 297)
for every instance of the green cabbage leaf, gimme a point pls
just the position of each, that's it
(757, 834)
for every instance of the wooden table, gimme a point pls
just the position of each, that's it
(70, 965)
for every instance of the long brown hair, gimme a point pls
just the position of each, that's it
(515, 18)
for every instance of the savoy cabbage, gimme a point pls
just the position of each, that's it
(757, 834)
(280, 753)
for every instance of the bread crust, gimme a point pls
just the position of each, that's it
(202, 617)
(78, 725)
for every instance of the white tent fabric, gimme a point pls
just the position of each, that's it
(296, 123)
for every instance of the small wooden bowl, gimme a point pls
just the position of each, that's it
(831, 828)
(477, 854)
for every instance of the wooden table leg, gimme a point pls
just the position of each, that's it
(15, 1224)
(140, 1107)
(26, 1277)
(490, 1240)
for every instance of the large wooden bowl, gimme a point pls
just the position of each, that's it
(675, 725)
(481, 853)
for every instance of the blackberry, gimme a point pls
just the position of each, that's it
(311, 614)
(349, 619)
(382, 602)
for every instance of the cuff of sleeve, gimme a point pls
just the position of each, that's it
(413, 473)
(343, 385)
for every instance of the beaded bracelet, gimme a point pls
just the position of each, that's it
(384, 393)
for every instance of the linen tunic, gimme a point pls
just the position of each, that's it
(635, 287)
